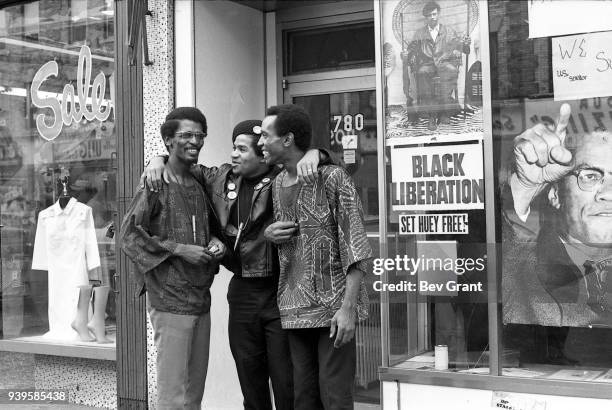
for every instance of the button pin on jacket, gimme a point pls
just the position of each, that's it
(232, 194)
(231, 186)
(265, 180)
(258, 186)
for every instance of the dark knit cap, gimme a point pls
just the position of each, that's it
(248, 127)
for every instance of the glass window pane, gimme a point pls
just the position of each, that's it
(554, 204)
(436, 277)
(57, 172)
(330, 48)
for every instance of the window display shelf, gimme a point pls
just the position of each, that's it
(423, 373)
(38, 345)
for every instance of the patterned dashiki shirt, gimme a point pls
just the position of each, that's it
(154, 224)
(331, 239)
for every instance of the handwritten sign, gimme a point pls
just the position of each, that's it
(582, 66)
(439, 177)
(65, 108)
(549, 18)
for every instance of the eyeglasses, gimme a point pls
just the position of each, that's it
(588, 178)
(187, 135)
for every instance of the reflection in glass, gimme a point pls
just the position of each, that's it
(433, 121)
(330, 48)
(45, 237)
(554, 220)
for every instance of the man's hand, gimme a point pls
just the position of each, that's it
(540, 158)
(217, 248)
(343, 326)
(307, 167)
(194, 254)
(281, 231)
(153, 174)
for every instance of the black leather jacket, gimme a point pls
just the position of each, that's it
(257, 257)
(423, 50)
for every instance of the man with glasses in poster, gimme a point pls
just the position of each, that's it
(558, 261)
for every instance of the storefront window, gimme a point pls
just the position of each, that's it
(435, 271)
(551, 116)
(57, 172)
(555, 197)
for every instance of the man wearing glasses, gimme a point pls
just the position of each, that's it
(241, 194)
(560, 274)
(168, 236)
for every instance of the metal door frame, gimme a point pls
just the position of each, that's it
(340, 84)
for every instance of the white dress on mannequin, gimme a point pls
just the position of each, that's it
(66, 247)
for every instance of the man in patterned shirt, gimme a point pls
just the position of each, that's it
(321, 293)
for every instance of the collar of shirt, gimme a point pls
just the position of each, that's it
(578, 256)
(434, 31)
(57, 209)
(575, 255)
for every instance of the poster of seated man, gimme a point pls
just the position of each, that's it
(433, 73)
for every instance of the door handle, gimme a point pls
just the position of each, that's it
(114, 284)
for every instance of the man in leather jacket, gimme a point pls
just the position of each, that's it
(242, 200)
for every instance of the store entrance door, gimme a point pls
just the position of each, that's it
(344, 121)
(343, 115)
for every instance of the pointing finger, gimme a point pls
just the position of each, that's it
(564, 115)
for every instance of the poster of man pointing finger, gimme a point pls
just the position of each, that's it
(558, 226)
